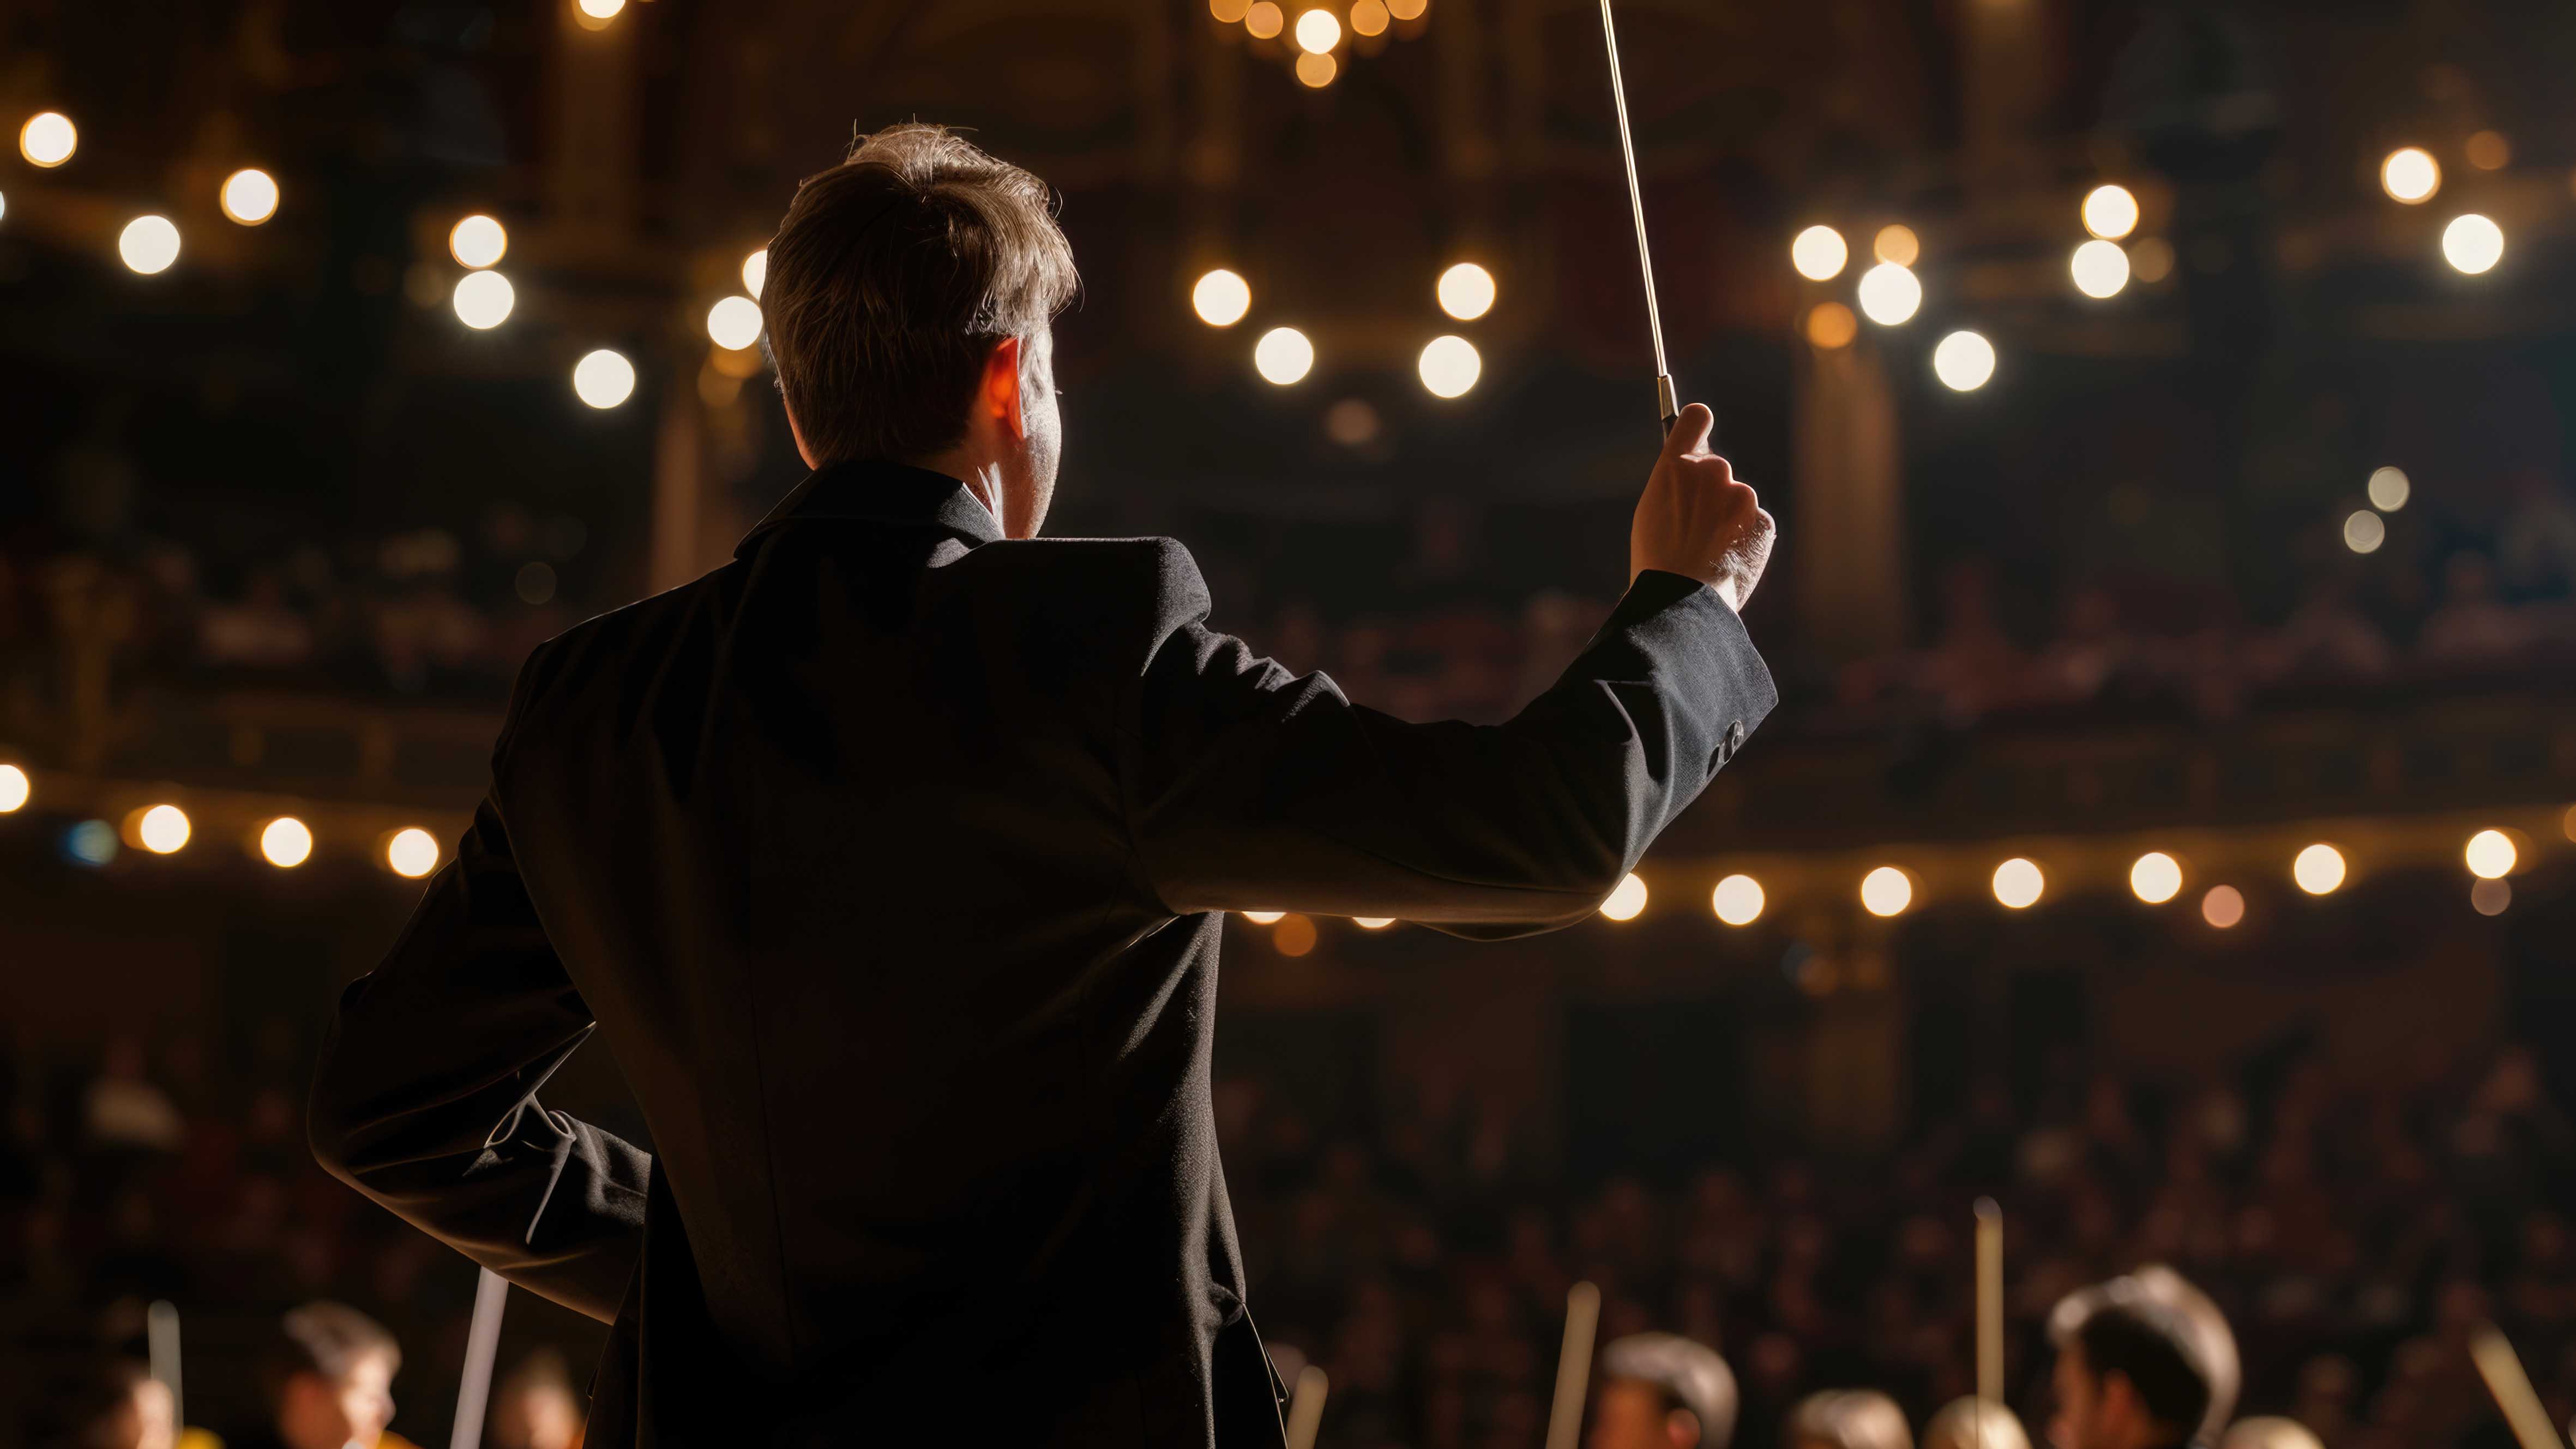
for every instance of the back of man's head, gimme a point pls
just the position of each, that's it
(2165, 1339)
(892, 277)
(1974, 1423)
(1849, 1419)
(327, 1372)
(1689, 1379)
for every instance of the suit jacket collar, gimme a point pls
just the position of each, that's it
(879, 492)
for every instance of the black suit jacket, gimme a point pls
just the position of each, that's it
(890, 860)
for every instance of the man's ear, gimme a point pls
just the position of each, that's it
(2119, 1402)
(1000, 392)
(1682, 1427)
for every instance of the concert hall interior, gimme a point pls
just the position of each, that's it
(2167, 828)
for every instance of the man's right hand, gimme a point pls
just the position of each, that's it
(1696, 520)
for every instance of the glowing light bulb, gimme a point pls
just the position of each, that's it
(1264, 918)
(1450, 366)
(1283, 356)
(1831, 326)
(603, 378)
(2491, 855)
(2472, 243)
(1229, 12)
(14, 789)
(1627, 900)
(1737, 900)
(1318, 31)
(483, 300)
(1965, 361)
(1368, 17)
(602, 9)
(1316, 71)
(2389, 489)
(2155, 877)
(2110, 212)
(149, 244)
(2101, 269)
(755, 272)
(2223, 906)
(412, 853)
(1466, 291)
(1221, 298)
(2363, 532)
(1819, 253)
(1264, 20)
(1886, 891)
(2318, 870)
(2410, 174)
(1897, 243)
(1407, 9)
(1890, 295)
(734, 323)
(250, 196)
(163, 830)
(286, 843)
(2018, 883)
(48, 138)
(478, 241)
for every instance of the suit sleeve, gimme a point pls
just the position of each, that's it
(1252, 789)
(426, 1098)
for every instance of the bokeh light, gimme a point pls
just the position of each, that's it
(2490, 897)
(412, 853)
(2110, 212)
(2389, 489)
(2364, 531)
(1965, 361)
(1228, 12)
(1372, 923)
(1450, 366)
(15, 789)
(1831, 325)
(1737, 900)
(2488, 151)
(602, 10)
(1316, 71)
(1264, 19)
(1318, 31)
(2155, 877)
(1627, 901)
(1466, 291)
(478, 241)
(2319, 869)
(1283, 356)
(603, 378)
(734, 323)
(2101, 269)
(1294, 936)
(1221, 298)
(92, 842)
(483, 300)
(755, 272)
(2491, 855)
(1407, 9)
(2223, 906)
(2151, 259)
(1265, 918)
(48, 138)
(1819, 253)
(2472, 243)
(2018, 883)
(1897, 243)
(149, 244)
(1886, 891)
(1890, 295)
(2410, 174)
(163, 829)
(1368, 17)
(286, 842)
(250, 196)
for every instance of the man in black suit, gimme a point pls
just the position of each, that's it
(890, 860)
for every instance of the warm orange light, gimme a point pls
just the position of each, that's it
(1831, 325)
(1626, 902)
(286, 843)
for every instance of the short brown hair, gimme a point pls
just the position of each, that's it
(892, 277)
(327, 1340)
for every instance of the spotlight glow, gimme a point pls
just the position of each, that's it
(14, 789)
(603, 378)
(1886, 891)
(1316, 71)
(2319, 869)
(1450, 366)
(1737, 900)
(2110, 212)
(1283, 356)
(2410, 174)
(48, 138)
(1819, 253)
(286, 843)
(602, 9)
(478, 241)
(1318, 31)
(2491, 855)
(2389, 489)
(1372, 923)
(149, 244)
(1265, 918)
(2223, 906)
(2101, 269)
(1627, 901)
(1368, 17)
(1466, 291)
(2018, 883)
(163, 829)
(1264, 20)
(755, 272)
(1897, 243)
(734, 323)
(2155, 877)
(2364, 532)
(1221, 298)
(1890, 295)
(1965, 361)
(250, 196)
(2472, 243)
(483, 300)
(412, 853)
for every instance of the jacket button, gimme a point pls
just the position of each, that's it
(1735, 737)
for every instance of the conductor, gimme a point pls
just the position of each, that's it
(889, 861)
